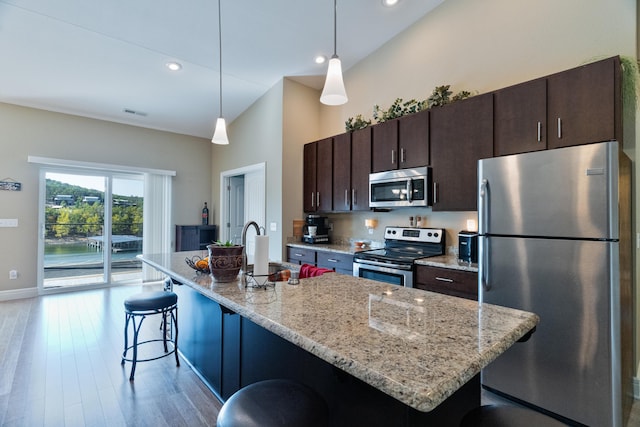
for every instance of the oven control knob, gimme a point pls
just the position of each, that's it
(429, 234)
(435, 234)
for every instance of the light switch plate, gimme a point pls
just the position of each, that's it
(273, 226)
(8, 222)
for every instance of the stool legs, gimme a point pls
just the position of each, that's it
(130, 317)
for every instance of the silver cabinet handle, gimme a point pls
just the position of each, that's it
(539, 131)
(346, 197)
(559, 128)
(353, 196)
(332, 260)
(318, 199)
(435, 193)
(299, 255)
(402, 156)
(444, 279)
(313, 198)
(393, 157)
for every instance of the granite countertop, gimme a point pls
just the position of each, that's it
(418, 347)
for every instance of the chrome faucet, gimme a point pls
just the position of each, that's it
(244, 247)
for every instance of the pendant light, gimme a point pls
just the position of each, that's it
(220, 134)
(334, 92)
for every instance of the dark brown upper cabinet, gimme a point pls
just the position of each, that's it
(461, 134)
(520, 118)
(401, 143)
(318, 176)
(351, 168)
(584, 104)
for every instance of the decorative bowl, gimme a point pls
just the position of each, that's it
(199, 264)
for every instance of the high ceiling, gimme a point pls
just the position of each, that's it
(106, 59)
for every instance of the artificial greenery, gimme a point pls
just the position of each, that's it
(356, 123)
(221, 243)
(397, 109)
(441, 95)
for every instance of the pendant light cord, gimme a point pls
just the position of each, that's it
(220, 50)
(335, 28)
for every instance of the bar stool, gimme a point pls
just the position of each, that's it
(146, 304)
(271, 403)
(507, 416)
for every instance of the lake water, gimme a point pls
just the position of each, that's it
(62, 255)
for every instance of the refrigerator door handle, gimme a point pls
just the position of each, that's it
(484, 264)
(484, 205)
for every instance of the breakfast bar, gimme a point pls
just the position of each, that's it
(378, 353)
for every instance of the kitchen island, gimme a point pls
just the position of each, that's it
(378, 353)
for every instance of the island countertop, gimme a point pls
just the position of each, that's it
(418, 347)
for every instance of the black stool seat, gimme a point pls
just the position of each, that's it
(144, 304)
(507, 416)
(271, 403)
(146, 301)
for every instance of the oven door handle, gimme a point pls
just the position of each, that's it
(384, 264)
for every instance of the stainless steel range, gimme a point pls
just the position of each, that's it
(402, 246)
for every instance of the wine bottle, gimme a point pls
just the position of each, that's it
(205, 214)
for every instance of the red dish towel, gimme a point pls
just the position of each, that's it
(307, 270)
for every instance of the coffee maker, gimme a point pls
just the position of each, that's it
(468, 246)
(316, 229)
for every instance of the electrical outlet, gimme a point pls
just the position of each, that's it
(13, 274)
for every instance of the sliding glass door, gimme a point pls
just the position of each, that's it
(92, 228)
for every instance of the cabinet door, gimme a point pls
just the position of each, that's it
(584, 104)
(360, 169)
(324, 175)
(309, 177)
(520, 117)
(461, 134)
(187, 238)
(342, 172)
(413, 140)
(301, 256)
(384, 146)
(341, 263)
(457, 283)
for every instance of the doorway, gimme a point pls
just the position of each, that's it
(242, 199)
(92, 228)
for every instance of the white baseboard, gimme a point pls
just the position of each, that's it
(18, 294)
(636, 388)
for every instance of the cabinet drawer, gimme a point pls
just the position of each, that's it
(301, 255)
(342, 263)
(457, 283)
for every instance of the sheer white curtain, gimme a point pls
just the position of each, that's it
(156, 230)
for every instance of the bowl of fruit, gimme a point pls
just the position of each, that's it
(199, 264)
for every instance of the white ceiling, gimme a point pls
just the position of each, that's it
(97, 58)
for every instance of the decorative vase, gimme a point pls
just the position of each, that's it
(225, 262)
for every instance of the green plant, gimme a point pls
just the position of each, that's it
(398, 109)
(221, 243)
(630, 81)
(356, 123)
(439, 97)
(461, 95)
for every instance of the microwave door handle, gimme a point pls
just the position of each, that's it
(410, 190)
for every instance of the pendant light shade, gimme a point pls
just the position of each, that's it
(334, 92)
(220, 132)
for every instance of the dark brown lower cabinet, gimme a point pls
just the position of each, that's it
(457, 283)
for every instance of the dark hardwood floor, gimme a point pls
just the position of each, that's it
(60, 366)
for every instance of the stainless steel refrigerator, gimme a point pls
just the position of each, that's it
(555, 239)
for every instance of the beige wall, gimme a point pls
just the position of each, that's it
(256, 137)
(27, 131)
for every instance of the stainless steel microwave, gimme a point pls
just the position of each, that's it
(400, 188)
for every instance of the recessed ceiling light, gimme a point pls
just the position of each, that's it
(320, 59)
(174, 66)
(390, 3)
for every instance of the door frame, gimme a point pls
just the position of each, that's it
(256, 213)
